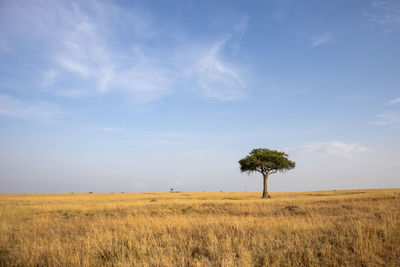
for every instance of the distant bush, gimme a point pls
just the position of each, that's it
(173, 191)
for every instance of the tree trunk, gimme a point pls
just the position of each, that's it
(265, 191)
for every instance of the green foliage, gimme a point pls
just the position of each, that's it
(266, 161)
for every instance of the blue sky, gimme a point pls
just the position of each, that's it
(140, 96)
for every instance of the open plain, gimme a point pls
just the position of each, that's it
(324, 228)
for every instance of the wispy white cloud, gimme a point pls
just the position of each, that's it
(329, 149)
(385, 13)
(146, 78)
(394, 101)
(386, 118)
(13, 107)
(109, 129)
(73, 66)
(87, 53)
(241, 27)
(99, 47)
(71, 93)
(49, 78)
(216, 77)
(238, 34)
(321, 39)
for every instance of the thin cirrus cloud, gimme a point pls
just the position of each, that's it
(49, 78)
(216, 78)
(394, 101)
(40, 111)
(86, 54)
(99, 48)
(385, 13)
(146, 77)
(329, 149)
(321, 39)
(109, 129)
(386, 118)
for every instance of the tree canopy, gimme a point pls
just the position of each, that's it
(266, 162)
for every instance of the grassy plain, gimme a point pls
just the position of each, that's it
(325, 228)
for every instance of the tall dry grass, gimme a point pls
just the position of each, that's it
(330, 228)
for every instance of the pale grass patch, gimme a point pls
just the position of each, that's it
(326, 228)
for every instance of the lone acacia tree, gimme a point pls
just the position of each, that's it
(266, 162)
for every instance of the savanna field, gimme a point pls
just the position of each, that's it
(325, 228)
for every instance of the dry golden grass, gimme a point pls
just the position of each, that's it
(329, 228)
